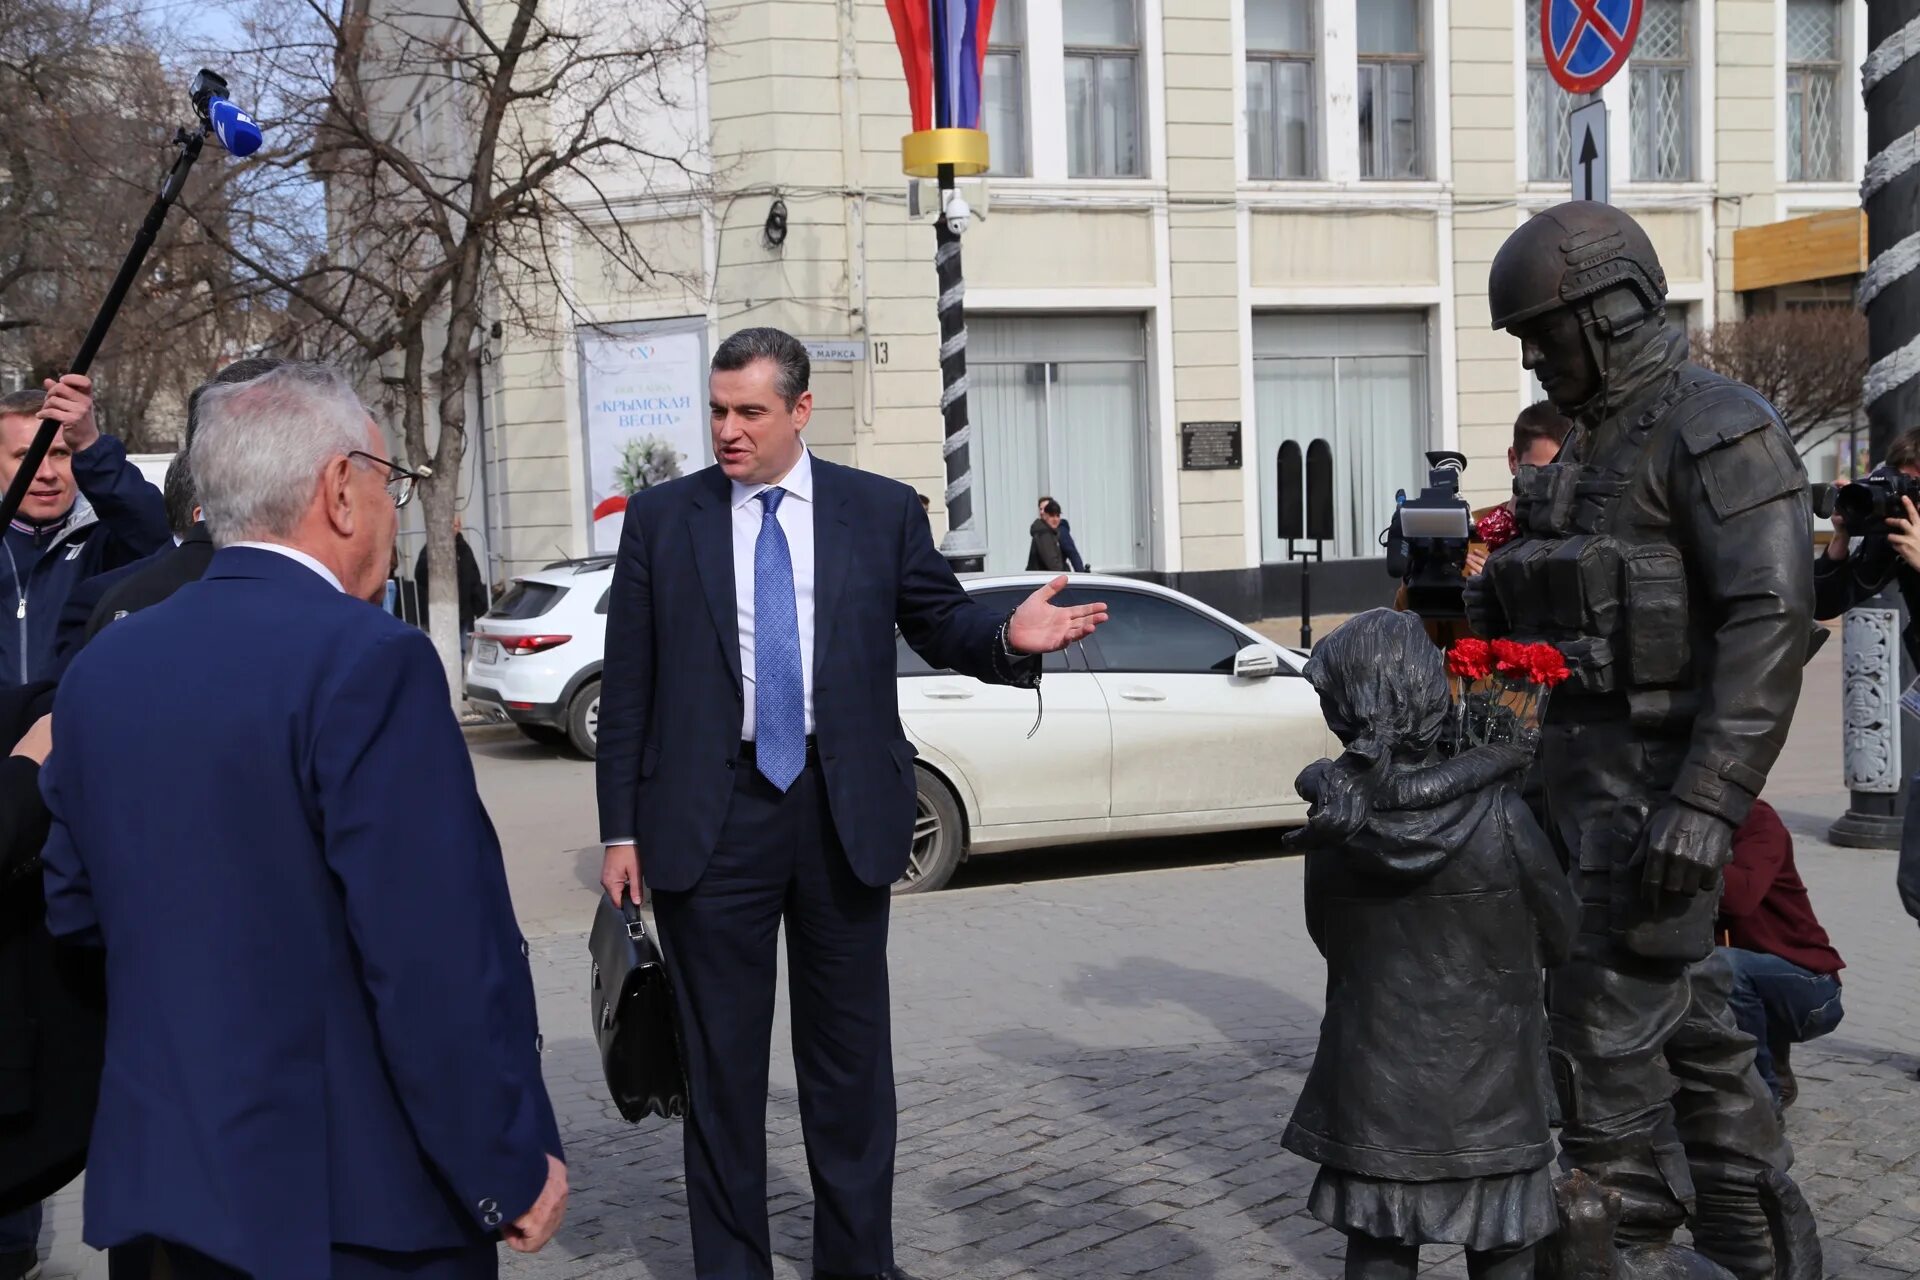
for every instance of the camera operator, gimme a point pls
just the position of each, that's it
(1845, 576)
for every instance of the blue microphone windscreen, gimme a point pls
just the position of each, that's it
(238, 132)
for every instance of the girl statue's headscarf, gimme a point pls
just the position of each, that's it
(1383, 689)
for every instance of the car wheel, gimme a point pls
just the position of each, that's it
(583, 720)
(939, 836)
(544, 734)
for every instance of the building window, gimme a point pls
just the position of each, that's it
(1813, 91)
(1391, 89)
(1060, 408)
(1549, 141)
(1358, 380)
(1280, 89)
(1004, 90)
(1103, 88)
(1660, 96)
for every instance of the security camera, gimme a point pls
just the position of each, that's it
(958, 215)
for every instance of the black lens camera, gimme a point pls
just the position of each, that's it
(1427, 541)
(1864, 505)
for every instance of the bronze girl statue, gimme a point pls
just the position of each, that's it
(1437, 902)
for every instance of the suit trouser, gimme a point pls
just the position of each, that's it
(778, 858)
(149, 1260)
(1665, 1099)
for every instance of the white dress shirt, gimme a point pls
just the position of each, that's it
(796, 521)
(294, 553)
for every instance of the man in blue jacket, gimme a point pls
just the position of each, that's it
(89, 510)
(323, 1057)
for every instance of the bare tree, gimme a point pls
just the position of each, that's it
(1808, 362)
(428, 162)
(87, 112)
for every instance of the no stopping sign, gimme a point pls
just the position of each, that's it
(1587, 41)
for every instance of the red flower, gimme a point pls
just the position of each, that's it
(1510, 656)
(1497, 528)
(1470, 658)
(1546, 664)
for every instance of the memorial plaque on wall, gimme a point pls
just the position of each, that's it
(1209, 446)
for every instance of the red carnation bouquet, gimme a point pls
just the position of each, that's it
(1500, 687)
(1497, 528)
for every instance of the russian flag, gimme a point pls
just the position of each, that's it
(943, 45)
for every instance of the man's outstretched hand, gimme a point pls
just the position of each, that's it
(1041, 626)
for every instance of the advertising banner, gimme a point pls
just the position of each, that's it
(644, 409)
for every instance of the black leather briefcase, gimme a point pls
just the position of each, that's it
(633, 1017)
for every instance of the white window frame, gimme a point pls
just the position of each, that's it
(1137, 54)
(1020, 51)
(1338, 125)
(1528, 58)
(1313, 57)
(1046, 74)
(1423, 63)
(1700, 123)
(1844, 191)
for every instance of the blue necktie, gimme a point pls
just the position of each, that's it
(779, 689)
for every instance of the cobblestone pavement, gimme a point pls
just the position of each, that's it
(1094, 1075)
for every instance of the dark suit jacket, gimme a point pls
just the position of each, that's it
(322, 1025)
(129, 589)
(670, 696)
(158, 577)
(52, 999)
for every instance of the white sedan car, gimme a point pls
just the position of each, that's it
(1171, 718)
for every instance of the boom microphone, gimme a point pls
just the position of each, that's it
(238, 132)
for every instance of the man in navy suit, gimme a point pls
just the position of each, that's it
(751, 755)
(323, 1061)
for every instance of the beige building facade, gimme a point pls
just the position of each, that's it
(1276, 213)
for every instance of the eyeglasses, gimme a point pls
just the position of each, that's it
(400, 481)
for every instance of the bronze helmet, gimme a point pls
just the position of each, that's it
(1567, 254)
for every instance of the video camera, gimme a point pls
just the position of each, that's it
(1864, 505)
(1427, 541)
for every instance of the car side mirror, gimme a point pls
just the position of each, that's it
(1255, 662)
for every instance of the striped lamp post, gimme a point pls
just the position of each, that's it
(1890, 194)
(1879, 741)
(943, 45)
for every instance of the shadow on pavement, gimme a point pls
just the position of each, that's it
(1117, 857)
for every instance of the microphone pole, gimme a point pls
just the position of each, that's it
(189, 144)
(208, 89)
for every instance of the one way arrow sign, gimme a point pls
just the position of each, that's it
(1587, 129)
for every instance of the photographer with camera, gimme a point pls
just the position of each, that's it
(1889, 545)
(1876, 540)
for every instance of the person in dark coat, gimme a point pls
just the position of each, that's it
(1067, 547)
(473, 598)
(1437, 901)
(1046, 552)
(52, 999)
(88, 510)
(130, 588)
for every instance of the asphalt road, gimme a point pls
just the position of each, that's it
(543, 805)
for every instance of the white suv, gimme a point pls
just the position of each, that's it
(537, 654)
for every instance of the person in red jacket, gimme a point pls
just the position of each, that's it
(1786, 974)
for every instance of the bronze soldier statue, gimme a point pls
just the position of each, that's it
(1666, 552)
